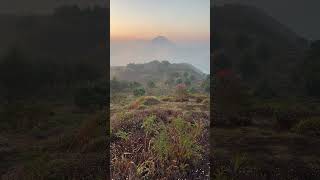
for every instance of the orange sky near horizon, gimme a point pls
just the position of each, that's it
(146, 19)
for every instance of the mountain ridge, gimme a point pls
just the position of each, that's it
(154, 70)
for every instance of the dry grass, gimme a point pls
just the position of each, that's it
(161, 141)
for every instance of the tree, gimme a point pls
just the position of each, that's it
(185, 74)
(179, 81)
(151, 84)
(134, 85)
(175, 74)
(165, 63)
(139, 91)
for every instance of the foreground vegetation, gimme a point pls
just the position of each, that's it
(156, 136)
(61, 143)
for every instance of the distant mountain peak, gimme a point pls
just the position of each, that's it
(161, 40)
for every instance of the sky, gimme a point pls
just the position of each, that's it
(145, 19)
(185, 23)
(301, 16)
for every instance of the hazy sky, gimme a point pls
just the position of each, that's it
(186, 23)
(145, 19)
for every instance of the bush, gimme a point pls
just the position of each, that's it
(149, 124)
(179, 141)
(139, 91)
(192, 90)
(181, 90)
(122, 135)
(179, 81)
(162, 145)
(151, 84)
(150, 100)
(144, 101)
(308, 127)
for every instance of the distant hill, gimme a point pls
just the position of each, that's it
(161, 48)
(253, 40)
(161, 41)
(155, 70)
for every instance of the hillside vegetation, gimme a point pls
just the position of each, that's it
(159, 127)
(53, 95)
(266, 98)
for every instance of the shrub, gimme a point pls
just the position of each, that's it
(149, 124)
(151, 84)
(179, 141)
(179, 81)
(162, 145)
(122, 135)
(181, 90)
(139, 91)
(150, 100)
(186, 74)
(134, 85)
(192, 90)
(184, 136)
(121, 86)
(233, 169)
(168, 99)
(135, 105)
(143, 102)
(308, 127)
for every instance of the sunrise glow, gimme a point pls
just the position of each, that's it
(145, 19)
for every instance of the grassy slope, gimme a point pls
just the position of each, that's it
(70, 143)
(269, 149)
(130, 142)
